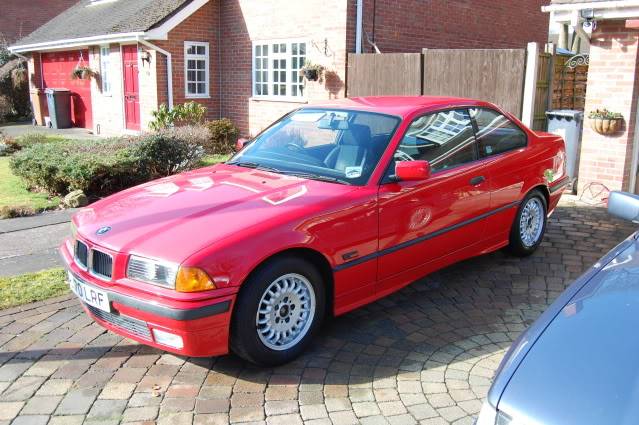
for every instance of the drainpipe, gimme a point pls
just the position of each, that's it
(358, 27)
(169, 68)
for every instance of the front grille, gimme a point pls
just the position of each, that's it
(129, 324)
(81, 254)
(101, 264)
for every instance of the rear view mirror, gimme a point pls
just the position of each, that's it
(412, 170)
(624, 205)
(241, 142)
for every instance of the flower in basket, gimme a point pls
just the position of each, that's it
(311, 71)
(83, 72)
(604, 121)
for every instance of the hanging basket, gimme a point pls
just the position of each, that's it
(605, 126)
(83, 73)
(311, 74)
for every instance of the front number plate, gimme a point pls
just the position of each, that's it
(89, 294)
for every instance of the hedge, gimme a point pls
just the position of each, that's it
(102, 167)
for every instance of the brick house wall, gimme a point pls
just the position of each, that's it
(245, 21)
(411, 25)
(19, 18)
(398, 26)
(613, 83)
(203, 26)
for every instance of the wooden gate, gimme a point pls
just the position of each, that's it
(371, 74)
(494, 75)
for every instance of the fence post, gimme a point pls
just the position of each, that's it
(530, 84)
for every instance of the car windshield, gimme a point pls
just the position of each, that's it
(340, 146)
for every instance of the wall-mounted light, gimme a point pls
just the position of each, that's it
(146, 56)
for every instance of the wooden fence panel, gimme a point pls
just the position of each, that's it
(493, 75)
(397, 74)
(542, 96)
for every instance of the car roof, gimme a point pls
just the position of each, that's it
(399, 105)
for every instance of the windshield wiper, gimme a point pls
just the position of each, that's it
(319, 177)
(255, 165)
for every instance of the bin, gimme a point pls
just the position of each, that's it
(59, 102)
(38, 106)
(568, 123)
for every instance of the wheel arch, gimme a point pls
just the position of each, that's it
(312, 256)
(544, 191)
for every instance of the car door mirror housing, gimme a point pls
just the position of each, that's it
(241, 142)
(412, 170)
(624, 205)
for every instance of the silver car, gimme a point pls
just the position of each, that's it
(578, 363)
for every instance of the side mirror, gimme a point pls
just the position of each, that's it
(412, 170)
(241, 142)
(624, 205)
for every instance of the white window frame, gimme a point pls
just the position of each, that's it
(288, 56)
(105, 62)
(207, 71)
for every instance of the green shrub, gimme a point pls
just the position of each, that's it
(223, 136)
(101, 167)
(159, 154)
(190, 113)
(191, 134)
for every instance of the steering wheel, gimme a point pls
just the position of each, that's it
(294, 147)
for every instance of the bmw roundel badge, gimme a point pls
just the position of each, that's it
(103, 230)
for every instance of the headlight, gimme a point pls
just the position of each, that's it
(168, 275)
(152, 271)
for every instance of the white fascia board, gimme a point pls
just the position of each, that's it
(614, 4)
(76, 42)
(162, 32)
(566, 16)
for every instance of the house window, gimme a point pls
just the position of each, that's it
(276, 66)
(196, 63)
(105, 69)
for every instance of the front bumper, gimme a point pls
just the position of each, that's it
(203, 326)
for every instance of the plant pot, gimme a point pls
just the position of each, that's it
(311, 74)
(605, 126)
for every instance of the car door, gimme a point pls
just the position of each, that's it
(421, 221)
(502, 143)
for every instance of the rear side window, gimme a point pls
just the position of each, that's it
(444, 139)
(496, 134)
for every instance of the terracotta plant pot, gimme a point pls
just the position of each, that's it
(605, 126)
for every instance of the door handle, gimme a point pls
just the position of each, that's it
(477, 180)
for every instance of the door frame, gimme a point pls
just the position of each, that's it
(122, 89)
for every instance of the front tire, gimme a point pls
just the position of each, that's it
(278, 311)
(529, 226)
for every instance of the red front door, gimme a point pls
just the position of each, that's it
(131, 87)
(56, 73)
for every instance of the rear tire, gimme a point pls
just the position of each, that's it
(278, 311)
(529, 226)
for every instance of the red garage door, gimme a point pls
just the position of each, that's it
(56, 73)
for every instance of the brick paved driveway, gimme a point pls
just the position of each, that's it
(423, 355)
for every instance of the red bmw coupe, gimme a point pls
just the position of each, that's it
(330, 208)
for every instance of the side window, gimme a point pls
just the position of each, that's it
(496, 133)
(445, 139)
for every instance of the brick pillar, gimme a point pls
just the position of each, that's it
(612, 84)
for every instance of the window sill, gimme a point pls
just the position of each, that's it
(197, 96)
(277, 99)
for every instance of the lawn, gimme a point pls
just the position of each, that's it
(15, 199)
(31, 287)
(214, 159)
